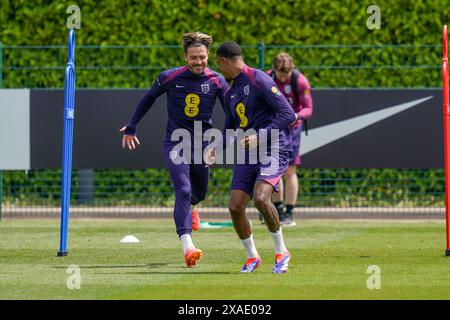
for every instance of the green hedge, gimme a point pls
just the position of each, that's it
(318, 187)
(250, 22)
(127, 22)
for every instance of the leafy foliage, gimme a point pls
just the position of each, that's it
(144, 24)
(152, 187)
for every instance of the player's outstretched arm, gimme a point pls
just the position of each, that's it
(130, 141)
(129, 138)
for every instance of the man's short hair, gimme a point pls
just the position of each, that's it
(196, 39)
(229, 49)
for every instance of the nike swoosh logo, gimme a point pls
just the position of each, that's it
(233, 96)
(176, 85)
(327, 134)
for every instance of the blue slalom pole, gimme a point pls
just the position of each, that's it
(69, 112)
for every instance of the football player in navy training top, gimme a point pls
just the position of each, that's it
(254, 102)
(191, 94)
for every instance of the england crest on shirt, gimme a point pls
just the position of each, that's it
(246, 90)
(287, 89)
(173, 155)
(205, 87)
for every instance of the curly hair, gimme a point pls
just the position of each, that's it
(196, 39)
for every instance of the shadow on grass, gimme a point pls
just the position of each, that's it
(170, 273)
(183, 269)
(149, 265)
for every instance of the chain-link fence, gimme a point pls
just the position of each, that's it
(323, 192)
(362, 66)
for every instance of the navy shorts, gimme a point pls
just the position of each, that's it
(246, 175)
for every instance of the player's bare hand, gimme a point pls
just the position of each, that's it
(297, 121)
(250, 142)
(129, 141)
(209, 156)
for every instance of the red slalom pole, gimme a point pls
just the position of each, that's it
(446, 134)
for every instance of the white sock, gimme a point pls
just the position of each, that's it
(250, 247)
(186, 242)
(278, 241)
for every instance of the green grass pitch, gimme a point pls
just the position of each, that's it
(330, 261)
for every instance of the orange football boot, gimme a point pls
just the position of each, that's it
(192, 256)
